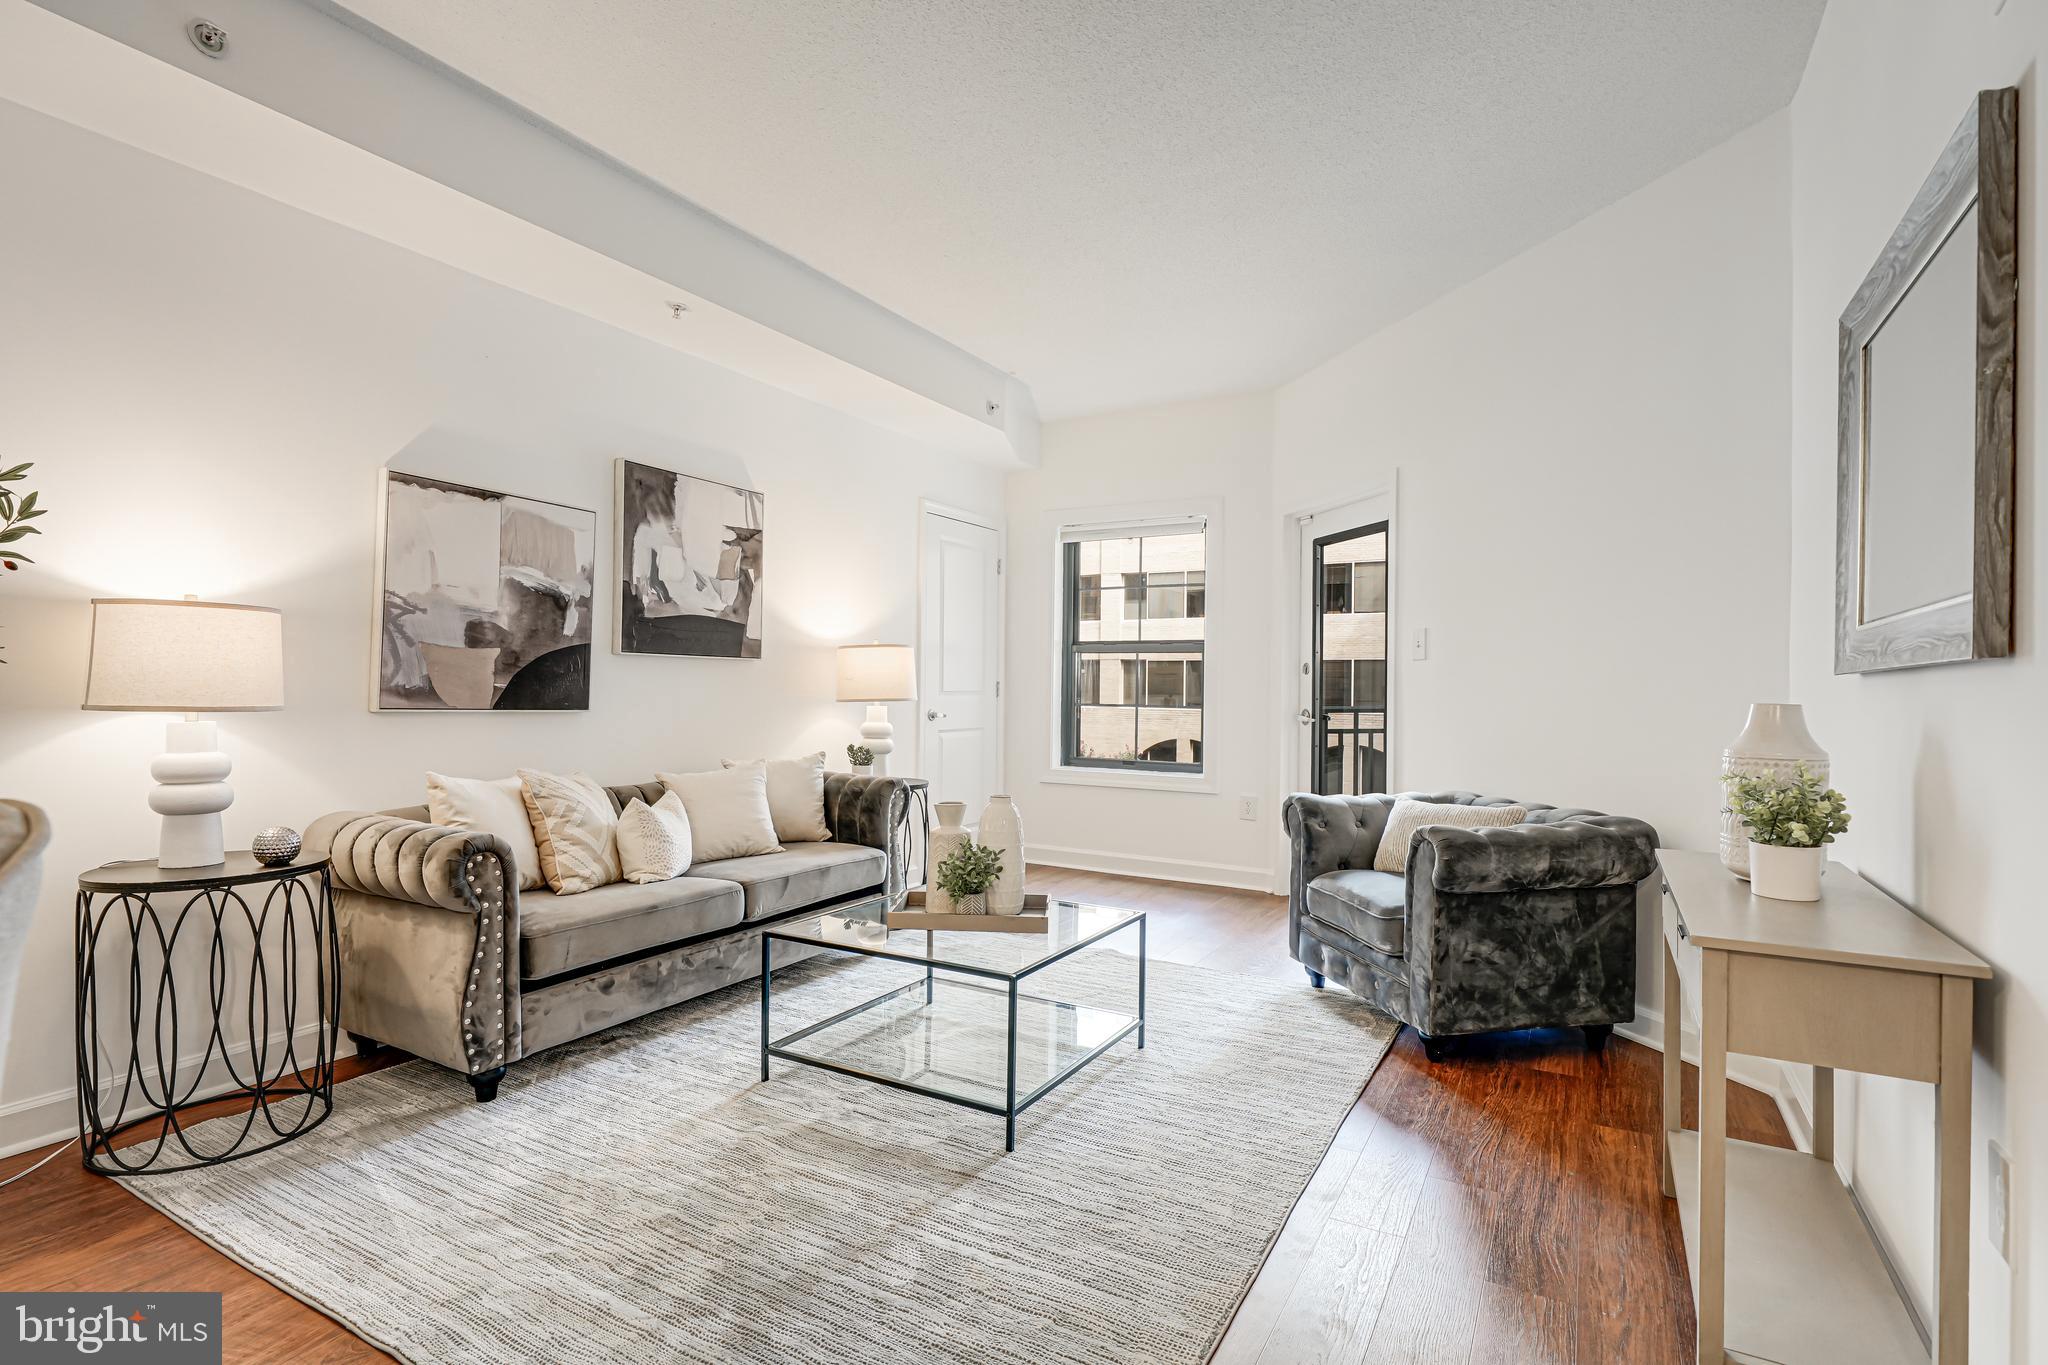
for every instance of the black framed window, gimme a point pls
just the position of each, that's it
(1133, 642)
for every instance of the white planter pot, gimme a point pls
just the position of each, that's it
(1003, 828)
(863, 770)
(1775, 743)
(1785, 874)
(948, 835)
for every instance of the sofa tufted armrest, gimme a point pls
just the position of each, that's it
(408, 860)
(1333, 832)
(1579, 852)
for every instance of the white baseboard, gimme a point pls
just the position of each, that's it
(39, 1120)
(1758, 1073)
(1234, 875)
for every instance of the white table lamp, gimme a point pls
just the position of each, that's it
(189, 656)
(877, 674)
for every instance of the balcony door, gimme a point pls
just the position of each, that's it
(1346, 567)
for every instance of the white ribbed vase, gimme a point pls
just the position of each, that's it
(948, 835)
(1775, 742)
(1002, 827)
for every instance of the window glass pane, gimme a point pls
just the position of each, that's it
(1336, 587)
(1194, 682)
(1105, 732)
(1369, 592)
(1088, 681)
(1165, 683)
(1116, 571)
(1169, 734)
(1198, 596)
(1369, 686)
(1091, 597)
(1165, 606)
(1336, 683)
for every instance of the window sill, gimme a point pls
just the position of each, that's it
(1196, 783)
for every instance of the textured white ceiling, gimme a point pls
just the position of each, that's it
(1131, 201)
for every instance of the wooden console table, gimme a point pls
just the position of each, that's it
(1783, 1269)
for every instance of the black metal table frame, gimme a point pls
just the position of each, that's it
(1008, 1112)
(212, 900)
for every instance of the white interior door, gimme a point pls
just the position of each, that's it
(959, 651)
(1344, 704)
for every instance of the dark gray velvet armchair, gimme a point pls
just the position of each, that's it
(1514, 926)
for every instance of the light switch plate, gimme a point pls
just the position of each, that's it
(1247, 807)
(1998, 1193)
(1418, 643)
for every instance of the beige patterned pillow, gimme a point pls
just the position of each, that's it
(1410, 816)
(574, 828)
(654, 841)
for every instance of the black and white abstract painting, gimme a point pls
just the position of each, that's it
(689, 565)
(484, 600)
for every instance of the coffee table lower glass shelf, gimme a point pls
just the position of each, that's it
(962, 1029)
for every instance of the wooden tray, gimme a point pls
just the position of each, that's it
(913, 915)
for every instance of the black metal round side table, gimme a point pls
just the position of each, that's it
(233, 994)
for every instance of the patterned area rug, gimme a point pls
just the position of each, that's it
(643, 1196)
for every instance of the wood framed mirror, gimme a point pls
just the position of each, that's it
(1924, 474)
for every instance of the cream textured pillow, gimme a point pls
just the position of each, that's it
(796, 796)
(575, 829)
(654, 841)
(489, 805)
(728, 811)
(1410, 816)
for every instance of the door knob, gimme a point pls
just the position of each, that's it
(1308, 717)
(935, 715)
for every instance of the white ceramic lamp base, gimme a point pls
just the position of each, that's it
(879, 736)
(191, 793)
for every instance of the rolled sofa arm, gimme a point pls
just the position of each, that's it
(429, 921)
(874, 812)
(1580, 852)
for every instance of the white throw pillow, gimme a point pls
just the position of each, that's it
(1410, 816)
(575, 829)
(796, 796)
(489, 805)
(654, 841)
(728, 811)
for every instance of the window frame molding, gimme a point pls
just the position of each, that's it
(1137, 516)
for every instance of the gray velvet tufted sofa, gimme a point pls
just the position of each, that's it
(444, 956)
(1516, 926)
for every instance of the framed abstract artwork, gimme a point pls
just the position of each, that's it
(689, 565)
(483, 600)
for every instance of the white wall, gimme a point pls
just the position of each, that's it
(1942, 766)
(1591, 517)
(1212, 455)
(208, 382)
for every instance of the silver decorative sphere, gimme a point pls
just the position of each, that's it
(276, 846)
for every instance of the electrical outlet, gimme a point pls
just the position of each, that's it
(1247, 807)
(1999, 1193)
(1418, 643)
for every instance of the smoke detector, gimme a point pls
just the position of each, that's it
(211, 39)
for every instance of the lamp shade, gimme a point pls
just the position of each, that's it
(877, 673)
(155, 655)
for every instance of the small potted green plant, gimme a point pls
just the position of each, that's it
(1791, 822)
(967, 874)
(861, 759)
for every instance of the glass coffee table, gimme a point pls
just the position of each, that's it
(962, 1029)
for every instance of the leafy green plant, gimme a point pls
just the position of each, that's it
(860, 755)
(970, 870)
(1788, 812)
(16, 511)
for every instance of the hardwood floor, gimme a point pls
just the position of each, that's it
(1499, 1208)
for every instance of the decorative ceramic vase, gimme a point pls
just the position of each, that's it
(863, 770)
(971, 905)
(1775, 743)
(1785, 874)
(1002, 828)
(947, 836)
